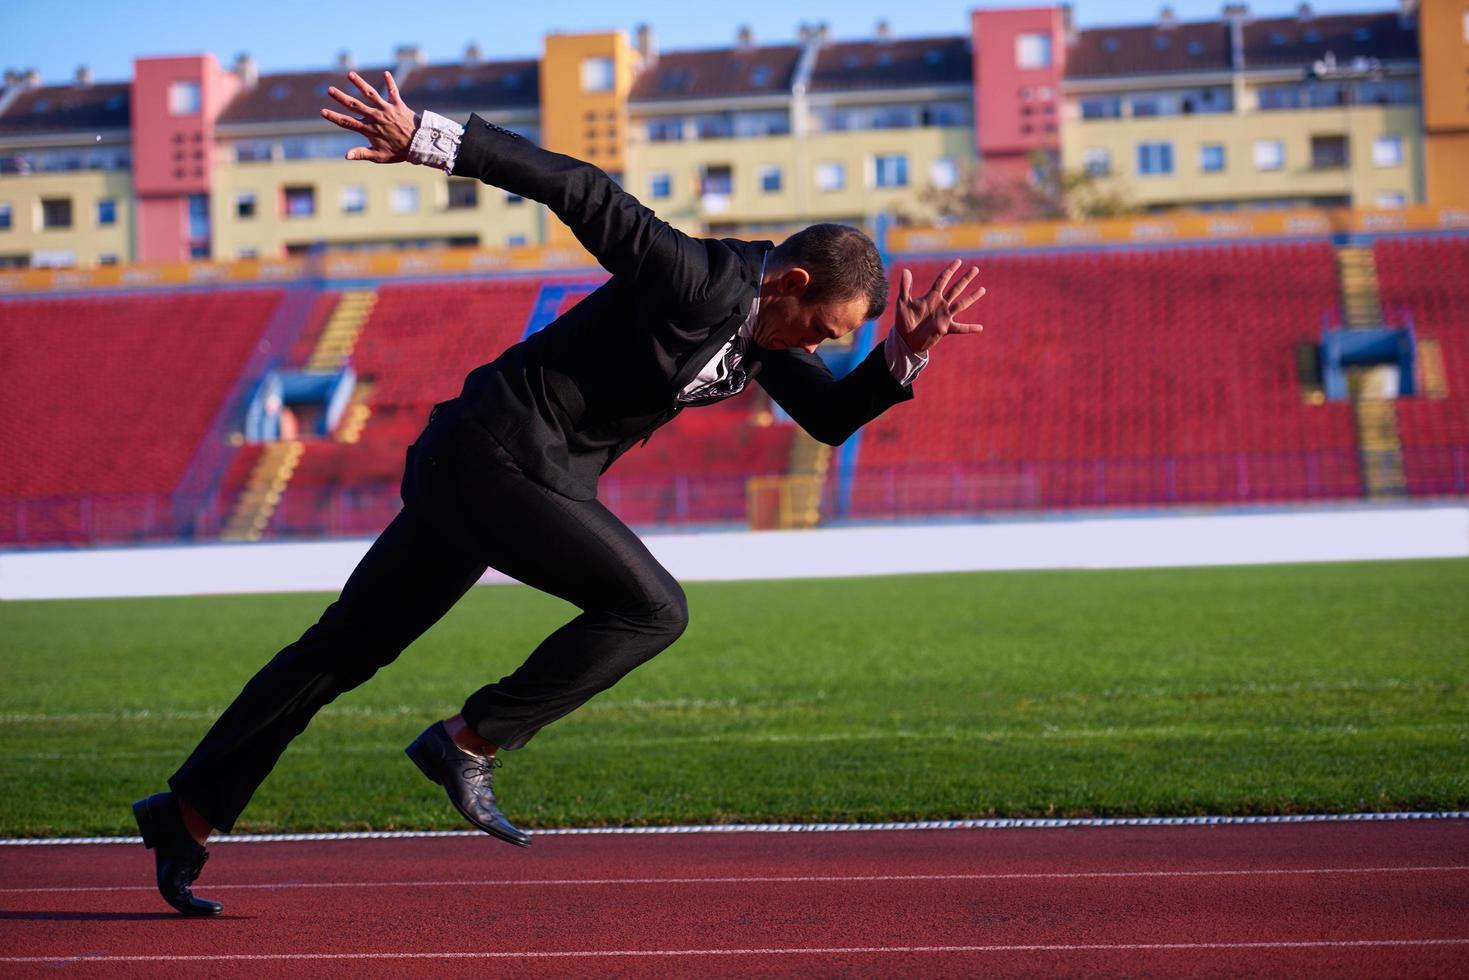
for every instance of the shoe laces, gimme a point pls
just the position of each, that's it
(482, 767)
(189, 872)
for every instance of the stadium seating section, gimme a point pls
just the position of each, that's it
(1425, 281)
(415, 349)
(1104, 378)
(1120, 377)
(105, 400)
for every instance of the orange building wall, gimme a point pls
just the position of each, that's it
(591, 126)
(1443, 40)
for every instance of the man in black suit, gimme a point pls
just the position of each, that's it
(505, 475)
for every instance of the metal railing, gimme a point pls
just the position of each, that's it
(896, 492)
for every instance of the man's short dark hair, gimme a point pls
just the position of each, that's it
(843, 263)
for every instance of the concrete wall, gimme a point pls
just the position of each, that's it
(1347, 534)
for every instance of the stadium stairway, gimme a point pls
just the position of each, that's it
(262, 491)
(1434, 382)
(339, 337)
(1360, 299)
(1378, 441)
(268, 481)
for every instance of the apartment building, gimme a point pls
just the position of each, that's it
(190, 160)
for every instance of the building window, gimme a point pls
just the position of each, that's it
(714, 126)
(830, 176)
(463, 195)
(514, 241)
(183, 99)
(199, 250)
(248, 252)
(353, 199)
(1328, 152)
(1387, 151)
(513, 200)
(1101, 107)
(1097, 161)
(245, 205)
(770, 179)
(5, 218)
(198, 217)
(1155, 158)
(404, 198)
(56, 212)
(107, 212)
(1389, 199)
(890, 170)
(254, 151)
(943, 172)
(107, 258)
(717, 180)
(1269, 154)
(300, 202)
(596, 74)
(1211, 158)
(660, 184)
(1033, 51)
(667, 129)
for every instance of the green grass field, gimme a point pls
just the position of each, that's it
(1238, 690)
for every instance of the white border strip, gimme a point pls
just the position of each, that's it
(786, 828)
(756, 951)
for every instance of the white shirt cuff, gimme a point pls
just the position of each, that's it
(435, 142)
(902, 362)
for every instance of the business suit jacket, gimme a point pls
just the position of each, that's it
(571, 398)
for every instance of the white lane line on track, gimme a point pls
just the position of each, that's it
(755, 951)
(772, 879)
(984, 823)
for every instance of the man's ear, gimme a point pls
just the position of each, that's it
(793, 281)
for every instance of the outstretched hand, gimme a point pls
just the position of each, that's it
(387, 123)
(925, 320)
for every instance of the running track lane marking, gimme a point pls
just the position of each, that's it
(981, 823)
(761, 951)
(769, 879)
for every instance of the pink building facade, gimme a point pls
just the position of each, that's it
(1019, 62)
(175, 102)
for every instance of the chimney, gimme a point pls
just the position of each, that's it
(883, 31)
(472, 55)
(247, 69)
(346, 61)
(1167, 19)
(745, 38)
(1304, 13)
(805, 32)
(406, 57)
(647, 46)
(32, 78)
(84, 77)
(1068, 23)
(1236, 11)
(823, 32)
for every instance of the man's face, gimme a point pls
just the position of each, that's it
(787, 319)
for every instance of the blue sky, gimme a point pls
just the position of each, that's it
(55, 36)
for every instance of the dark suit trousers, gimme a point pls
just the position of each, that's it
(467, 506)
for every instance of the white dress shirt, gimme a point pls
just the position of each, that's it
(436, 144)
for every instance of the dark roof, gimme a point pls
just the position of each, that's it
(1292, 41)
(1149, 50)
(719, 72)
(893, 64)
(60, 108)
(292, 95)
(443, 88)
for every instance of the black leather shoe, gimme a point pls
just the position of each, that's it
(177, 857)
(468, 780)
